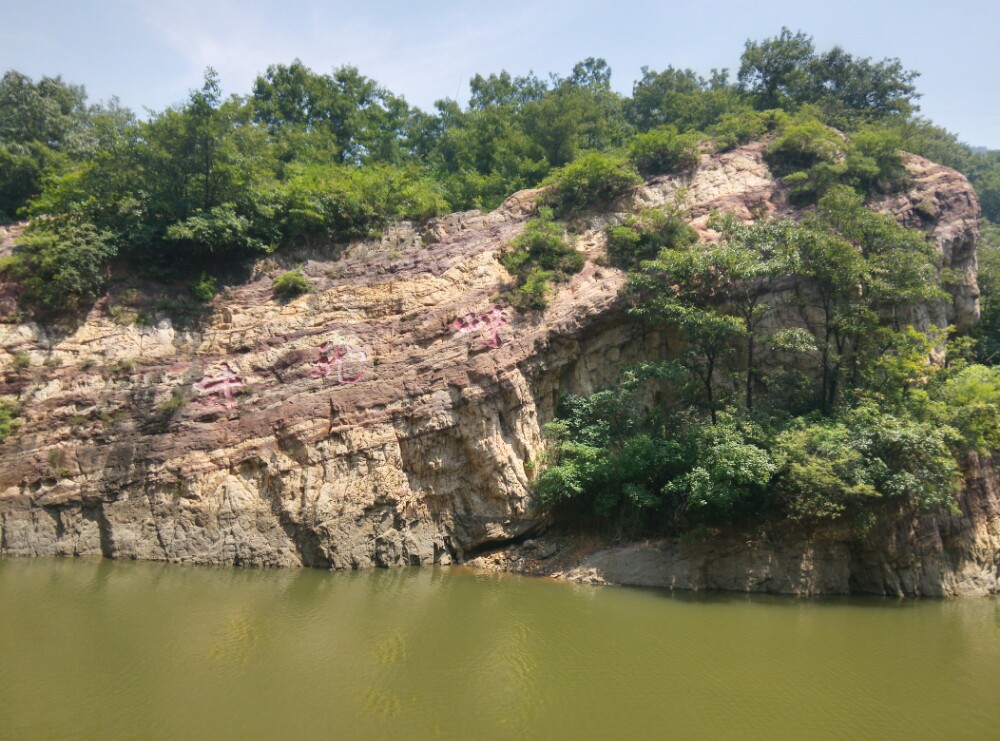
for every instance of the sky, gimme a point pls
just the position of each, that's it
(150, 54)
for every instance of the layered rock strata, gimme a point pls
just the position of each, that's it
(392, 416)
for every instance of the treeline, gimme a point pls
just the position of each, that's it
(324, 157)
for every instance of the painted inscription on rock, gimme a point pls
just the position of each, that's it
(344, 362)
(487, 325)
(218, 390)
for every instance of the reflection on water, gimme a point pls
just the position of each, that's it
(99, 649)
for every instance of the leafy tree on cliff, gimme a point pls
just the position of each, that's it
(682, 98)
(774, 70)
(862, 271)
(746, 268)
(40, 123)
(785, 72)
(987, 329)
(346, 115)
(715, 295)
(679, 289)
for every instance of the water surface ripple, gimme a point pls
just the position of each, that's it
(101, 649)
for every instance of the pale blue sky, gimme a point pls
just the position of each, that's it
(151, 53)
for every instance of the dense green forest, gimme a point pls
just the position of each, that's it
(855, 417)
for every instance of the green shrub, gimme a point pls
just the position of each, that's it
(813, 158)
(740, 127)
(62, 265)
(664, 150)
(291, 284)
(533, 291)
(9, 421)
(121, 315)
(611, 461)
(182, 311)
(344, 202)
(872, 164)
(971, 404)
(591, 179)
(728, 473)
(165, 413)
(537, 256)
(643, 236)
(829, 468)
(875, 162)
(600, 461)
(803, 142)
(808, 186)
(122, 367)
(220, 230)
(822, 471)
(205, 287)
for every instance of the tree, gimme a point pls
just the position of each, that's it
(983, 169)
(40, 124)
(62, 265)
(851, 90)
(679, 289)
(987, 329)
(504, 90)
(861, 270)
(716, 295)
(786, 72)
(484, 154)
(746, 268)
(47, 112)
(775, 70)
(579, 113)
(344, 115)
(681, 98)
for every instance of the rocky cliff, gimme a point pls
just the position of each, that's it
(939, 554)
(392, 416)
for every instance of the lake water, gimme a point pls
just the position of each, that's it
(106, 650)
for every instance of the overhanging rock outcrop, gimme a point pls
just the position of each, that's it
(933, 554)
(390, 417)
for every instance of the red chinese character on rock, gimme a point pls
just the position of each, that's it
(220, 389)
(488, 325)
(348, 362)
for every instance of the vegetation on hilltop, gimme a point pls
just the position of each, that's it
(312, 157)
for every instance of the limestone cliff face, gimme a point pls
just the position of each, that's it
(390, 417)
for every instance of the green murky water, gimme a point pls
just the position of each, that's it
(96, 649)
